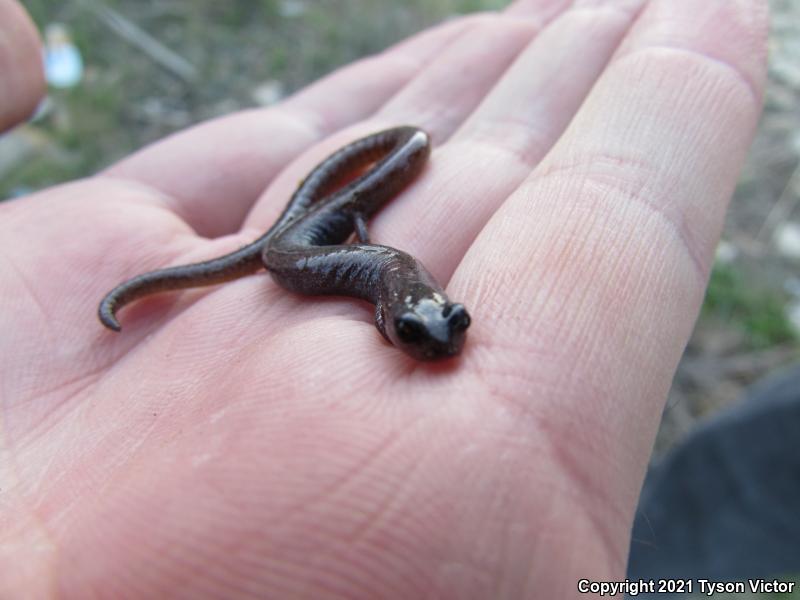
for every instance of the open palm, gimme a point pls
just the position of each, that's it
(242, 440)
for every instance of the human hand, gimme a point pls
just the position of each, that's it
(241, 440)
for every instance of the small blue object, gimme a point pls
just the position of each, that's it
(63, 65)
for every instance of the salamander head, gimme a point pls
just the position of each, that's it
(428, 329)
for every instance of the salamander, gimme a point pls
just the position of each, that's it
(305, 250)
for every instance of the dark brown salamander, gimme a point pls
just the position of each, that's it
(305, 251)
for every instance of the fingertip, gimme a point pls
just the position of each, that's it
(23, 84)
(733, 33)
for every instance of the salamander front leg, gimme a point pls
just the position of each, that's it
(379, 321)
(361, 228)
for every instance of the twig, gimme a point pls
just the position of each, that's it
(782, 208)
(136, 36)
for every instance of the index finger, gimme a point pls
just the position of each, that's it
(585, 285)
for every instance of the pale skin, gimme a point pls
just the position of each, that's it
(243, 441)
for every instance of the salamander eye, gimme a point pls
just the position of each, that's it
(458, 318)
(409, 328)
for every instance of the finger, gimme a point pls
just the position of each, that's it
(546, 10)
(501, 141)
(213, 172)
(439, 99)
(21, 73)
(446, 91)
(532, 105)
(585, 285)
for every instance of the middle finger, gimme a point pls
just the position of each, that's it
(506, 136)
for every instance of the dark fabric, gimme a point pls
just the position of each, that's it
(725, 504)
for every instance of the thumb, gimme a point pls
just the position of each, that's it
(21, 72)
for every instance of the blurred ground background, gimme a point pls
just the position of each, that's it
(218, 57)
